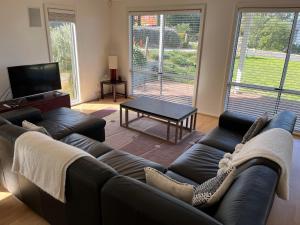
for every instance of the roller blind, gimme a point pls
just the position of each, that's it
(265, 69)
(57, 15)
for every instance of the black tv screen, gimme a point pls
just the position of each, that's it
(34, 79)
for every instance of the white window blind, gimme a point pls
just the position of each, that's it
(164, 52)
(58, 15)
(265, 70)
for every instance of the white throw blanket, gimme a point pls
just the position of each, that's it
(275, 145)
(44, 161)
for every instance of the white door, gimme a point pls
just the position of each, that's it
(164, 55)
(63, 49)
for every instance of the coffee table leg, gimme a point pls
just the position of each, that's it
(176, 132)
(187, 122)
(126, 118)
(121, 116)
(181, 126)
(195, 121)
(168, 130)
(191, 123)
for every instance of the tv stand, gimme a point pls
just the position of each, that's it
(45, 102)
(35, 97)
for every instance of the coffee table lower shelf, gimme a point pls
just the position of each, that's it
(187, 123)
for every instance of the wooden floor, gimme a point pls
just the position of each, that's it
(14, 212)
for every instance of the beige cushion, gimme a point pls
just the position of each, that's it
(32, 127)
(256, 127)
(168, 185)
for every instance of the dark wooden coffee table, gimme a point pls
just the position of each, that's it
(181, 116)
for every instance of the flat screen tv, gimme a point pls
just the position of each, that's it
(34, 79)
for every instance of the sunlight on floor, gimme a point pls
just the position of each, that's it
(93, 106)
(4, 195)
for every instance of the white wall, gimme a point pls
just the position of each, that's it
(217, 41)
(20, 44)
(102, 31)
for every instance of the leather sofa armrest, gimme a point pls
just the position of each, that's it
(236, 122)
(8, 135)
(127, 201)
(250, 197)
(84, 181)
(16, 117)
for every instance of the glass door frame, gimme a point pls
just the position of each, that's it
(162, 10)
(75, 62)
(279, 90)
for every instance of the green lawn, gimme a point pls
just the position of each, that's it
(267, 72)
(263, 71)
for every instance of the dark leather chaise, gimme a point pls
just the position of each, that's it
(111, 188)
(60, 122)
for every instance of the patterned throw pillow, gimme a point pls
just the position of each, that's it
(206, 194)
(256, 127)
(213, 189)
(168, 185)
(32, 127)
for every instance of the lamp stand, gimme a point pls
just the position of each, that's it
(113, 75)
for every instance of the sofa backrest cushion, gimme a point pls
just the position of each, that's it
(236, 122)
(3, 121)
(251, 194)
(16, 117)
(128, 201)
(285, 120)
(11, 132)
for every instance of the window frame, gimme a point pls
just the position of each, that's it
(233, 50)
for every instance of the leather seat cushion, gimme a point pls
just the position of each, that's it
(95, 148)
(56, 130)
(199, 163)
(129, 165)
(222, 139)
(64, 121)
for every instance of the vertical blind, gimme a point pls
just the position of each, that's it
(265, 70)
(164, 50)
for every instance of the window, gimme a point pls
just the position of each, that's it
(61, 27)
(164, 54)
(265, 70)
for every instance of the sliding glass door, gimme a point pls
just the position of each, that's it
(164, 54)
(63, 49)
(265, 71)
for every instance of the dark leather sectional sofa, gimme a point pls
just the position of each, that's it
(111, 189)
